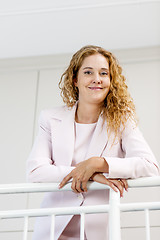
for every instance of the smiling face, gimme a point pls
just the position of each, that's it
(93, 80)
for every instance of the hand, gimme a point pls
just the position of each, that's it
(115, 184)
(82, 173)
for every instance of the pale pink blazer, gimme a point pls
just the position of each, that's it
(51, 157)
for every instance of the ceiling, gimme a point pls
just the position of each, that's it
(38, 27)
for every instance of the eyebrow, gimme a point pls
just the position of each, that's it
(106, 69)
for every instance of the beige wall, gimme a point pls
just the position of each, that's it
(29, 85)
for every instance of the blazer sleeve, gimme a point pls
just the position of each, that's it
(40, 165)
(138, 160)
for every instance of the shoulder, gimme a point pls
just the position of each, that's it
(57, 113)
(53, 112)
(131, 128)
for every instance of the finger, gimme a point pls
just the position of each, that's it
(73, 186)
(111, 184)
(119, 185)
(78, 186)
(121, 182)
(65, 180)
(125, 183)
(84, 186)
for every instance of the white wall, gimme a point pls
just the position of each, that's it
(29, 85)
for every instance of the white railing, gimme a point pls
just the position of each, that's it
(113, 208)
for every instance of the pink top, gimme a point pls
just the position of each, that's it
(83, 136)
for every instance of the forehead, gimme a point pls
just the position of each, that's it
(95, 61)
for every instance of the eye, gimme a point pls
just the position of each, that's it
(87, 72)
(104, 73)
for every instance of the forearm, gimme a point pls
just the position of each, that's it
(49, 173)
(133, 167)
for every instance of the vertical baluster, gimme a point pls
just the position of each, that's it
(82, 227)
(52, 227)
(25, 231)
(114, 216)
(147, 224)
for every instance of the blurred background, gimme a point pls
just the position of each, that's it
(37, 40)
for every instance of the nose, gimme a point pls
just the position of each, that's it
(97, 79)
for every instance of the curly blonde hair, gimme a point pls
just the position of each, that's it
(118, 105)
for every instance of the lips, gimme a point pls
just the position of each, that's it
(95, 88)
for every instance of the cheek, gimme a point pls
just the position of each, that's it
(108, 83)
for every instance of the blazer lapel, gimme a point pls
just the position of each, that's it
(63, 137)
(99, 140)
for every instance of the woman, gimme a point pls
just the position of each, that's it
(93, 137)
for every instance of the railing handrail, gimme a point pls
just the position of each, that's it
(49, 187)
(114, 207)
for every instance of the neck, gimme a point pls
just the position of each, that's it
(87, 113)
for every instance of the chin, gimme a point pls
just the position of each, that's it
(97, 101)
